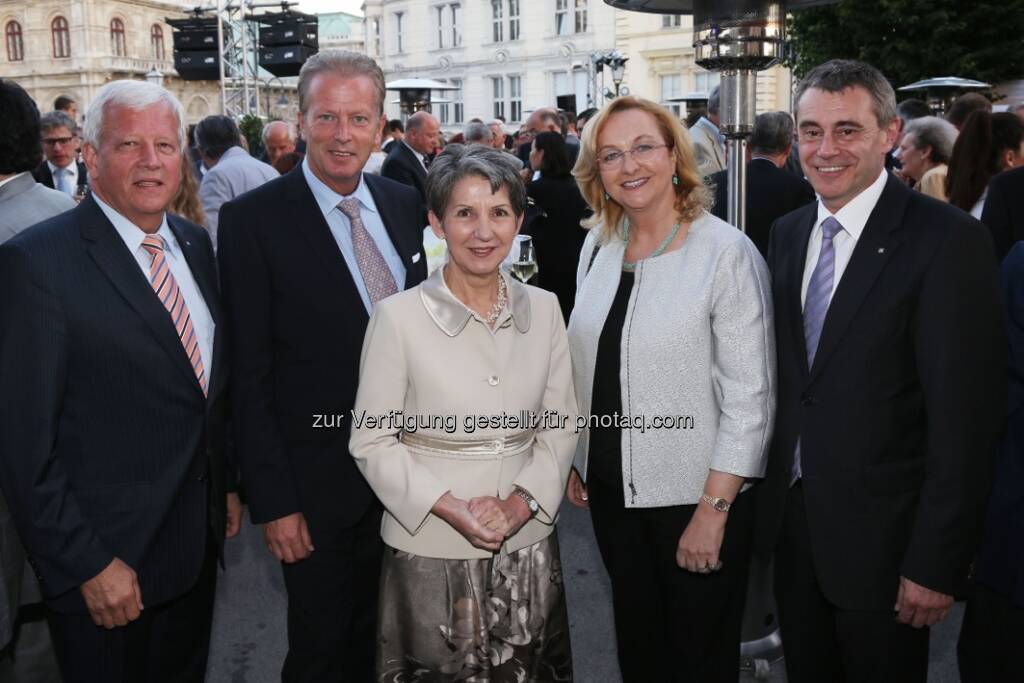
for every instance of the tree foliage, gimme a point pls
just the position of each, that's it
(914, 39)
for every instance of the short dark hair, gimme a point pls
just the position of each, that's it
(773, 133)
(63, 103)
(216, 134)
(964, 106)
(57, 119)
(838, 75)
(911, 109)
(395, 124)
(21, 147)
(556, 156)
(585, 115)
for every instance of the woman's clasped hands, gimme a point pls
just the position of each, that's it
(486, 521)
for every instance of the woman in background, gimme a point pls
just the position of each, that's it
(557, 233)
(186, 203)
(925, 150)
(988, 144)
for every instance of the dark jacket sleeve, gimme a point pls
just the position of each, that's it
(246, 290)
(65, 549)
(395, 168)
(962, 365)
(996, 215)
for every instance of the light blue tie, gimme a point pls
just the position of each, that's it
(819, 294)
(63, 180)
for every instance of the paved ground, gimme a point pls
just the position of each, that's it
(249, 624)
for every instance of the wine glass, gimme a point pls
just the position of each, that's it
(524, 258)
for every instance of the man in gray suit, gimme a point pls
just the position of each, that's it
(23, 202)
(708, 144)
(232, 171)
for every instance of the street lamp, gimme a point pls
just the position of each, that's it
(617, 63)
(155, 76)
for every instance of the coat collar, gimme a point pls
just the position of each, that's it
(451, 315)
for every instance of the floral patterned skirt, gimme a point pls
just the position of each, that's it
(480, 621)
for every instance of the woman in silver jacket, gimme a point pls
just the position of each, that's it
(674, 364)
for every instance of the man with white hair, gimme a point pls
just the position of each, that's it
(498, 133)
(112, 458)
(278, 139)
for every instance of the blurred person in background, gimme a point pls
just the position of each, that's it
(708, 141)
(61, 170)
(186, 202)
(278, 139)
(988, 144)
(924, 152)
(287, 162)
(964, 106)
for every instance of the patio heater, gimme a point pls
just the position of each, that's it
(738, 38)
(414, 94)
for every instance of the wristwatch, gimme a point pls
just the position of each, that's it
(528, 499)
(720, 504)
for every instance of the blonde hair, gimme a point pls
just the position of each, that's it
(692, 197)
(186, 202)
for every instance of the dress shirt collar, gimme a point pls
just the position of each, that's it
(854, 216)
(133, 234)
(421, 157)
(328, 200)
(71, 168)
(451, 315)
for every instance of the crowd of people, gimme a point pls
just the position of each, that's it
(186, 329)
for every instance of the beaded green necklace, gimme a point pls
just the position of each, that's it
(630, 266)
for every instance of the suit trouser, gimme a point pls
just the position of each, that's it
(332, 604)
(990, 638)
(671, 625)
(825, 643)
(168, 643)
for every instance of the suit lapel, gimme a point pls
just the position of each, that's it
(304, 214)
(119, 265)
(204, 273)
(794, 285)
(404, 241)
(875, 247)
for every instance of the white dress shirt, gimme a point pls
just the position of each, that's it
(71, 175)
(133, 235)
(853, 217)
(341, 228)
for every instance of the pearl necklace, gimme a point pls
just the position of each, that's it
(499, 304)
(630, 266)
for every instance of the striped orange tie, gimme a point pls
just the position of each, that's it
(167, 289)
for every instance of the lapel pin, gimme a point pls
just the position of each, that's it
(416, 257)
(881, 250)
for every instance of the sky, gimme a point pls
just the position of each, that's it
(314, 6)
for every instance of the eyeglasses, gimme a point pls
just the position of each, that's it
(52, 142)
(613, 158)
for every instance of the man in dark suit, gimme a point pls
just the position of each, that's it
(408, 158)
(112, 454)
(303, 259)
(1004, 210)
(993, 622)
(891, 395)
(60, 170)
(771, 191)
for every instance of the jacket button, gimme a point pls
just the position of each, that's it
(201, 477)
(493, 380)
(806, 401)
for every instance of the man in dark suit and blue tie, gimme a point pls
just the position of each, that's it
(303, 260)
(113, 363)
(891, 395)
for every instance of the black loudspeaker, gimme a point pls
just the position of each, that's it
(566, 103)
(197, 65)
(285, 60)
(290, 33)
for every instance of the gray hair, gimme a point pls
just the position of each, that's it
(934, 132)
(343, 63)
(58, 119)
(714, 100)
(132, 95)
(457, 162)
(773, 133)
(478, 132)
(292, 132)
(838, 75)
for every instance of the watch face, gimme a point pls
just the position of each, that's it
(722, 505)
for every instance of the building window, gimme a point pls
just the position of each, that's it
(513, 19)
(61, 38)
(566, 25)
(455, 9)
(398, 31)
(156, 39)
(448, 18)
(671, 20)
(705, 81)
(497, 19)
(15, 44)
(117, 38)
(376, 35)
(498, 91)
(456, 97)
(515, 99)
(671, 86)
(453, 103)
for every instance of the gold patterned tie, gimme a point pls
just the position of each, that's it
(377, 276)
(166, 288)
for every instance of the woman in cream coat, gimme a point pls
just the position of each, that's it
(465, 429)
